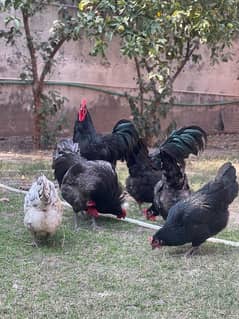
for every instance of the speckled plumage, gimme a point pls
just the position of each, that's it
(42, 208)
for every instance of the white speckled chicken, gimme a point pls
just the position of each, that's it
(42, 208)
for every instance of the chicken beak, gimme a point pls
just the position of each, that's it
(151, 242)
(150, 239)
(154, 243)
(148, 216)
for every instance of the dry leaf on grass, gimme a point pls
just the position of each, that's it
(4, 200)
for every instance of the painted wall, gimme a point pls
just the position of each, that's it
(196, 84)
(218, 79)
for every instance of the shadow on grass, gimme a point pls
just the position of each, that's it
(206, 249)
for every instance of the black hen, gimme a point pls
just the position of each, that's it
(65, 155)
(110, 147)
(202, 215)
(90, 186)
(143, 176)
(172, 187)
(146, 170)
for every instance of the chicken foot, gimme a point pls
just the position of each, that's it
(192, 251)
(94, 224)
(76, 221)
(34, 239)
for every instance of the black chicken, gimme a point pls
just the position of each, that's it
(201, 215)
(90, 186)
(172, 187)
(65, 155)
(110, 147)
(143, 175)
(145, 170)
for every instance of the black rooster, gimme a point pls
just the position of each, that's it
(201, 215)
(180, 144)
(145, 170)
(110, 147)
(90, 186)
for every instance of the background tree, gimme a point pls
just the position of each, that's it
(18, 21)
(161, 37)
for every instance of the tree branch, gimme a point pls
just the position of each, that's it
(184, 61)
(141, 89)
(47, 65)
(31, 48)
(152, 81)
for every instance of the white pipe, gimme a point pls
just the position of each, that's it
(134, 221)
(223, 241)
(12, 189)
(142, 224)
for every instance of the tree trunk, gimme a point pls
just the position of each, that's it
(38, 81)
(36, 122)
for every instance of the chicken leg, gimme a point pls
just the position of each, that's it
(191, 251)
(34, 239)
(76, 221)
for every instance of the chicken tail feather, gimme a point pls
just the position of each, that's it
(227, 175)
(181, 143)
(128, 137)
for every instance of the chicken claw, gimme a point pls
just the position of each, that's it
(192, 251)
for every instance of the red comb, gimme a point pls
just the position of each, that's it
(83, 102)
(82, 111)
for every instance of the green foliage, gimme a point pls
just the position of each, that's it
(161, 37)
(42, 52)
(53, 117)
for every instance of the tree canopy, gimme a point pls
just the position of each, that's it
(161, 37)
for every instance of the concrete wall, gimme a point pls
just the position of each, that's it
(197, 84)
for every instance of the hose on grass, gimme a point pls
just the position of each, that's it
(132, 220)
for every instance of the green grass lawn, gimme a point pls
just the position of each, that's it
(111, 273)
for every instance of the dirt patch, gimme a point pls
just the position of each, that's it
(223, 143)
(10, 149)
(23, 156)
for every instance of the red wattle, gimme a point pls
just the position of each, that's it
(148, 216)
(90, 203)
(123, 214)
(92, 211)
(82, 111)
